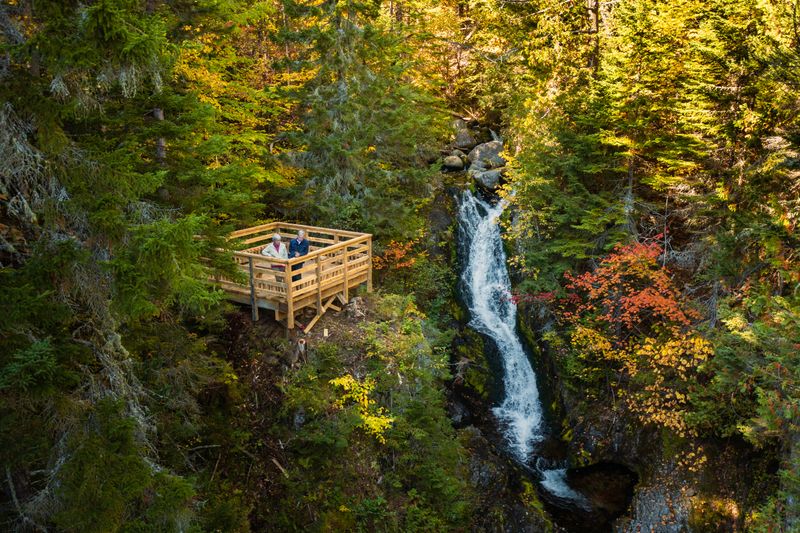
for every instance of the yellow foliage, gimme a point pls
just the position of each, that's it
(373, 419)
(670, 366)
(192, 67)
(591, 342)
(665, 366)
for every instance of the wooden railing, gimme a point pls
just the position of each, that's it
(337, 262)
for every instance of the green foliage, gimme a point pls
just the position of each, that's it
(106, 483)
(161, 266)
(31, 367)
(366, 127)
(668, 124)
(407, 477)
(755, 371)
(429, 279)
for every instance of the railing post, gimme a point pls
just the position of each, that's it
(289, 297)
(346, 277)
(369, 264)
(319, 283)
(253, 299)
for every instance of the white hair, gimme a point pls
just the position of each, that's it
(276, 237)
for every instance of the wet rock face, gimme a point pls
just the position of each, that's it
(662, 502)
(487, 472)
(608, 487)
(459, 413)
(606, 490)
(508, 501)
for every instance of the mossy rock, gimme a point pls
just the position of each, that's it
(530, 498)
(458, 312)
(713, 514)
(477, 376)
(341, 519)
(529, 337)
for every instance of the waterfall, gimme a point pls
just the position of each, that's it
(487, 291)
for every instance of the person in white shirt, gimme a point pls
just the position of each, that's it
(278, 250)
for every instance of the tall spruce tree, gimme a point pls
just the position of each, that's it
(367, 130)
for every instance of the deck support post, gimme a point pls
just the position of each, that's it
(253, 298)
(289, 297)
(369, 265)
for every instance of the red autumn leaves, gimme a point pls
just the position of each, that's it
(629, 290)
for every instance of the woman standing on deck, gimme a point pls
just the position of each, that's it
(277, 250)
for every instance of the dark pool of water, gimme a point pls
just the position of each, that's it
(608, 490)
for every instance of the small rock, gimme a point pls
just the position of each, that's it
(453, 162)
(459, 413)
(476, 168)
(355, 308)
(459, 124)
(459, 154)
(299, 418)
(487, 155)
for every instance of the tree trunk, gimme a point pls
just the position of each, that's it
(593, 7)
(161, 143)
(628, 199)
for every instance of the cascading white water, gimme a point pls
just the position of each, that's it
(487, 291)
(487, 288)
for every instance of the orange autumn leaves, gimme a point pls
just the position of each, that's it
(396, 255)
(629, 288)
(628, 317)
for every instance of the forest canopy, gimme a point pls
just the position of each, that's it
(653, 176)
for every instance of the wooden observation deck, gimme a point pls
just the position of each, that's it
(337, 262)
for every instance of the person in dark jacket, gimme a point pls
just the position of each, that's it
(298, 248)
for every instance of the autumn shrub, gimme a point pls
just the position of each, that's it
(408, 268)
(629, 333)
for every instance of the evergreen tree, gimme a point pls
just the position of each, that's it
(102, 232)
(366, 128)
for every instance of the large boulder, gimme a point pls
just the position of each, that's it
(487, 155)
(453, 162)
(464, 139)
(488, 178)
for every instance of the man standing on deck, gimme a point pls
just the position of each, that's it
(297, 248)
